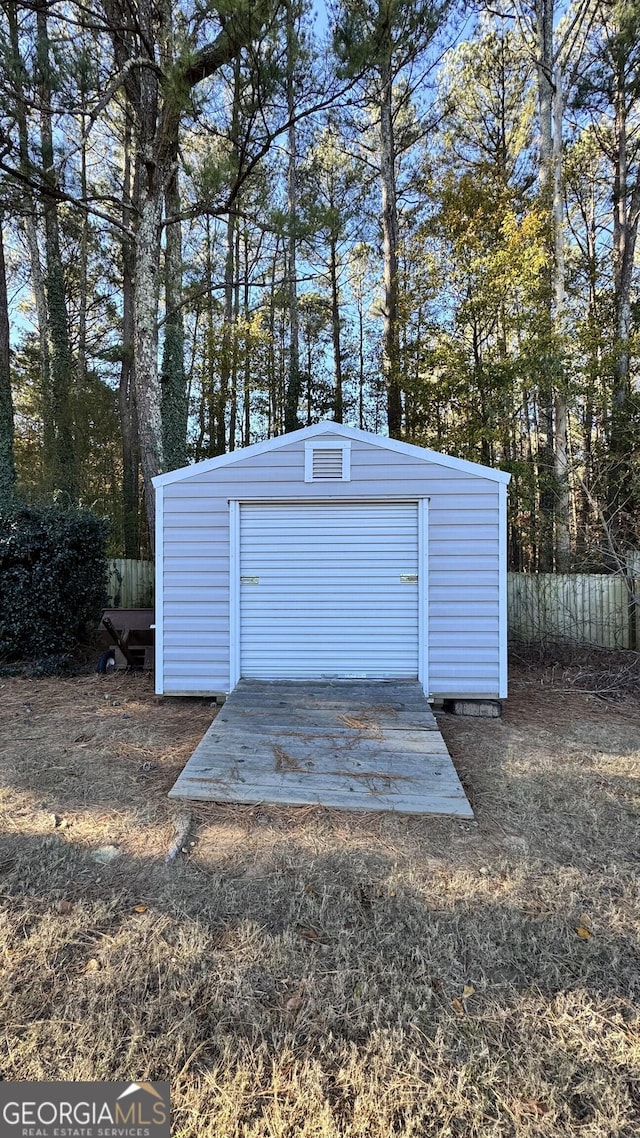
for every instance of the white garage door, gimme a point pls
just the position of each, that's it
(329, 590)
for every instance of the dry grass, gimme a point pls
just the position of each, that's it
(367, 720)
(316, 974)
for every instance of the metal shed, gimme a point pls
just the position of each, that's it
(331, 552)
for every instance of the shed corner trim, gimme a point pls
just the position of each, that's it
(159, 592)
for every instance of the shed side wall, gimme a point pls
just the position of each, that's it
(463, 561)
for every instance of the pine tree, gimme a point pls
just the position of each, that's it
(386, 37)
(7, 465)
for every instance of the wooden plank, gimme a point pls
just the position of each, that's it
(301, 728)
(279, 787)
(323, 725)
(367, 691)
(453, 804)
(309, 790)
(314, 746)
(272, 717)
(323, 707)
(292, 752)
(268, 759)
(316, 781)
(343, 707)
(330, 702)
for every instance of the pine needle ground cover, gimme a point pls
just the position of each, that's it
(318, 974)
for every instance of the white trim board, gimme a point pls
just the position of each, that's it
(502, 587)
(234, 593)
(423, 593)
(159, 593)
(331, 499)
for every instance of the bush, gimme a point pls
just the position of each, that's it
(52, 583)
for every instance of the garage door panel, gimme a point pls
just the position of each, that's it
(329, 590)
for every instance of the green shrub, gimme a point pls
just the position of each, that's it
(52, 583)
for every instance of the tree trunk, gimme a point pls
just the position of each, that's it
(150, 179)
(584, 488)
(81, 369)
(145, 340)
(205, 446)
(231, 269)
(361, 377)
(246, 394)
(357, 278)
(7, 466)
(390, 350)
(235, 349)
(174, 408)
(309, 399)
(626, 213)
(561, 468)
(126, 393)
(157, 100)
(64, 460)
(40, 298)
(622, 494)
(293, 389)
(336, 332)
(544, 10)
(31, 231)
(228, 335)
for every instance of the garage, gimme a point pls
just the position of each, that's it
(332, 553)
(329, 590)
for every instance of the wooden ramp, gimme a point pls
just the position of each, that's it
(355, 744)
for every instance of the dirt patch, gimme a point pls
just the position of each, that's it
(100, 752)
(309, 972)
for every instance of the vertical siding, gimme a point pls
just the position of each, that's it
(463, 560)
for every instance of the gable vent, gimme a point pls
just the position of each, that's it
(327, 462)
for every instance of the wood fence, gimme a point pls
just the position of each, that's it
(595, 609)
(580, 608)
(130, 583)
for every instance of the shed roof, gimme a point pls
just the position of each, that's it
(330, 428)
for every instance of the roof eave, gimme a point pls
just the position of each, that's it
(423, 454)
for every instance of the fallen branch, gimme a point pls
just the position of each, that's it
(182, 825)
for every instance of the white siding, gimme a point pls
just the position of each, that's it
(463, 605)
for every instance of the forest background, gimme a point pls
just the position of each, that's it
(223, 221)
